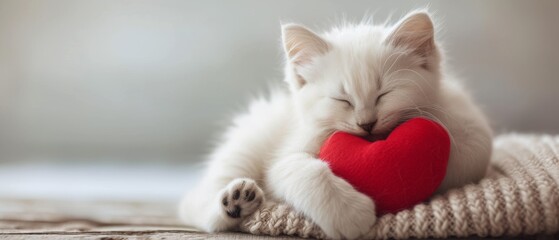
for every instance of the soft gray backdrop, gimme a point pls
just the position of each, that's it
(156, 80)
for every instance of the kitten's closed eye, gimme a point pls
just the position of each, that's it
(382, 95)
(344, 101)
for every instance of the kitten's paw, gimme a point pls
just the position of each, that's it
(241, 197)
(351, 214)
(352, 223)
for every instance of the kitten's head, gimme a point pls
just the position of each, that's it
(363, 79)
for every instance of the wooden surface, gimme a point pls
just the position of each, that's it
(33, 219)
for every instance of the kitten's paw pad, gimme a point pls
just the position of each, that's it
(241, 197)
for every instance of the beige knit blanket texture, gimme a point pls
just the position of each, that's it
(519, 196)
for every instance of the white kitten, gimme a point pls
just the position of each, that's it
(360, 79)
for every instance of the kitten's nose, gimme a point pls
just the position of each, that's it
(368, 126)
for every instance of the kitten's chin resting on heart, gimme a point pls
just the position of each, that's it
(376, 137)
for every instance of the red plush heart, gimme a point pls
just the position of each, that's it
(398, 172)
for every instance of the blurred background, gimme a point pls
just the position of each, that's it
(121, 99)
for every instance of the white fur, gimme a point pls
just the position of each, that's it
(335, 80)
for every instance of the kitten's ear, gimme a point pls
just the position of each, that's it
(301, 44)
(416, 32)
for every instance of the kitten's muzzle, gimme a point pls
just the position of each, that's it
(368, 126)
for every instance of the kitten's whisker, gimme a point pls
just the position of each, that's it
(388, 58)
(436, 119)
(394, 81)
(428, 115)
(441, 110)
(407, 97)
(395, 61)
(418, 74)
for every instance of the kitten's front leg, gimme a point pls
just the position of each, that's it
(332, 203)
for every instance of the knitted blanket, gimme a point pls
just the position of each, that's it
(519, 195)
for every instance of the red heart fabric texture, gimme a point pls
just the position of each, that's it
(404, 169)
